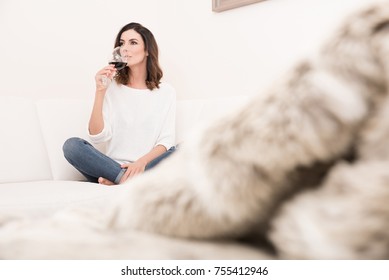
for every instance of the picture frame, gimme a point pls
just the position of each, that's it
(222, 5)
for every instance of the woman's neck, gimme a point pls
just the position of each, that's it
(138, 78)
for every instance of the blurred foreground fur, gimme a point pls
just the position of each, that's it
(305, 165)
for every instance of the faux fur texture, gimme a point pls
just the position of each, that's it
(305, 164)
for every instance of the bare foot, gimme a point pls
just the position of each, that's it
(106, 182)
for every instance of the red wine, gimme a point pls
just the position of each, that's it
(119, 65)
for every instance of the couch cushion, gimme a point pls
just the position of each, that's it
(188, 113)
(41, 198)
(193, 114)
(215, 108)
(22, 149)
(61, 119)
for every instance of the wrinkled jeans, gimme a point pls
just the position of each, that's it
(93, 164)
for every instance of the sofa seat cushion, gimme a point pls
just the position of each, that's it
(41, 198)
(127, 245)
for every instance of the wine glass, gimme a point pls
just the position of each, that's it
(118, 60)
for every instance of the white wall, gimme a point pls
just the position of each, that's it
(54, 48)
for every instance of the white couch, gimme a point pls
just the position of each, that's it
(36, 180)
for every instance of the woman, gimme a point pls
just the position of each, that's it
(134, 115)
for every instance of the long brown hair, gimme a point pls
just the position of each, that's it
(154, 71)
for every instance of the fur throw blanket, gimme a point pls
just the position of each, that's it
(303, 167)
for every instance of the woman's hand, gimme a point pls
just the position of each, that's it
(104, 77)
(133, 169)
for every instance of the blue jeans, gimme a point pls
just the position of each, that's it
(93, 164)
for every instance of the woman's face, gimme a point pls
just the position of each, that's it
(133, 48)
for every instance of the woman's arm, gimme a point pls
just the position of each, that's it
(153, 154)
(139, 165)
(96, 121)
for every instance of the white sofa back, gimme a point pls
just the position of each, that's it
(23, 154)
(33, 132)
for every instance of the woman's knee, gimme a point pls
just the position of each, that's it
(72, 146)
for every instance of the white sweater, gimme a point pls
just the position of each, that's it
(137, 120)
